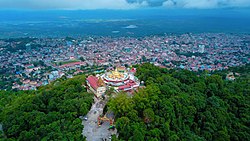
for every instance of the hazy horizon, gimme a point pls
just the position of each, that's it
(136, 22)
(59, 18)
(121, 4)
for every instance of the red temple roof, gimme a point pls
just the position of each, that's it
(124, 87)
(128, 85)
(133, 70)
(93, 82)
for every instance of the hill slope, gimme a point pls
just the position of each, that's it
(51, 113)
(179, 105)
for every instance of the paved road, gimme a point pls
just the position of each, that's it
(91, 130)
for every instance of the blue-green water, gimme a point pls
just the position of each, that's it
(122, 22)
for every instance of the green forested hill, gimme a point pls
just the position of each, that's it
(180, 105)
(174, 105)
(51, 113)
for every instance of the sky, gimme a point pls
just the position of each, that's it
(120, 4)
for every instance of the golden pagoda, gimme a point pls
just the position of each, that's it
(116, 75)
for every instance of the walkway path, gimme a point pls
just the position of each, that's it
(91, 130)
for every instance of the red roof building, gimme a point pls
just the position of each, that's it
(92, 80)
(96, 85)
(133, 70)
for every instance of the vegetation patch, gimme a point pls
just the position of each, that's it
(50, 113)
(180, 105)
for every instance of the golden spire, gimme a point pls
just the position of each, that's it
(100, 82)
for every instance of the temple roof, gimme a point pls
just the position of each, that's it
(93, 82)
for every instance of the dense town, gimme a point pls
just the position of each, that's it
(27, 63)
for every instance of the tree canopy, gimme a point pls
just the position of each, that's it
(50, 113)
(183, 105)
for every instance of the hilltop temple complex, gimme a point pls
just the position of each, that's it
(121, 79)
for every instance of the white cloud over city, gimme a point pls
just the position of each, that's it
(203, 4)
(119, 4)
(71, 4)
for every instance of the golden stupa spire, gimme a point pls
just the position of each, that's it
(116, 74)
(100, 82)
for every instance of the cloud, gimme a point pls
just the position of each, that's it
(151, 3)
(168, 3)
(71, 4)
(239, 3)
(206, 4)
(201, 4)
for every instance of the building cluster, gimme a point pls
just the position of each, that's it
(120, 79)
(43, 59)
